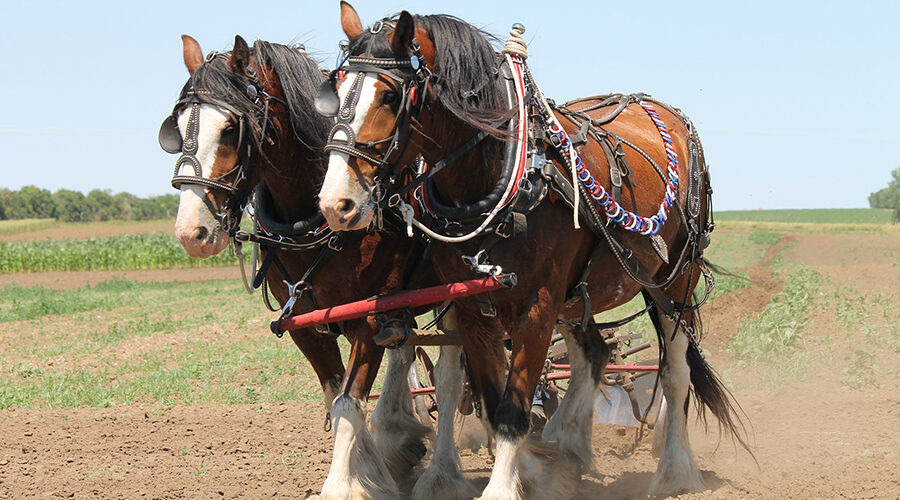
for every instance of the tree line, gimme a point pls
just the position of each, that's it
(66, 205)
(888, 197)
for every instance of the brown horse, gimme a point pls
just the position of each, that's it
(434, 85)
(246, 117)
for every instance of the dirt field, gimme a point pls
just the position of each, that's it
(92, 230)
(813, 436)
(63, 280)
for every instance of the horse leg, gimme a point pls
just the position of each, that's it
(324, 355)
(399, 436)
(357, 470)
(677, 471)
(443, 479)
(659, 431)
(570, 427)
(517, 465)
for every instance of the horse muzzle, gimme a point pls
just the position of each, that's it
(346, 214)
(198, 230)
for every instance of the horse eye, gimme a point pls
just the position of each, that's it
(389, 98)
(229, 129)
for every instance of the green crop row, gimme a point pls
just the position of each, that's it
(114, 253)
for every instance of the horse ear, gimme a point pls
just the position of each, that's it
(350, 21)
(240, 55)
(403, 33)
(193, 56)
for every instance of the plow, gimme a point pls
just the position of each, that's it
(628, 396)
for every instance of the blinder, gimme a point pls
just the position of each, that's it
(327, 101)
(169, 135)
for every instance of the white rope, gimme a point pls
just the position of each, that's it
(515, 44)
(554, 122)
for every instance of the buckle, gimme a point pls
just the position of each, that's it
(615, 176)
(504, 229)
(334, 242)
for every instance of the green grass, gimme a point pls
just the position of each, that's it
(136, 343)
(877, 317)
(815, 216)
(25, 225)
(114, 253)
(737, 250)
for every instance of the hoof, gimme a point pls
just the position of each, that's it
(675, 477)
(441, 486)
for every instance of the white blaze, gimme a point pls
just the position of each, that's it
(192, 211)
(340, 181)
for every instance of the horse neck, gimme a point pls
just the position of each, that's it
(471, 176)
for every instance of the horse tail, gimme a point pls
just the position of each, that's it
(721, 271)
(711, 394)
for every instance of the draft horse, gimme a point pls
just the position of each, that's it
(245, 121)
(435, 86)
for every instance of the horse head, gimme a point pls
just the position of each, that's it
(214, 132)
(411, 85)
(374, 99)
(243, 116)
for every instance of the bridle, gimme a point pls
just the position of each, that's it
(171, 141)
(411, 88)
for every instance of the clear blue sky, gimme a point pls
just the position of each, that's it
(795, 101)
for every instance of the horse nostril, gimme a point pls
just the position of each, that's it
(345, 205)
(201, 234)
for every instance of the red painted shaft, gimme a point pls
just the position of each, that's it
(550, 376)
(614, 368)
(409, 298)
(414, 392)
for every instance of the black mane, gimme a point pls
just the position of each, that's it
(300, 78)
(466, 68)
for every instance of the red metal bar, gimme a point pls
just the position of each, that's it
(558, 375)
(414, 392)
(409, 298)
(551, 376)
(614, 368)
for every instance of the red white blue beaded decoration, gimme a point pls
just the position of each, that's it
(628, 220)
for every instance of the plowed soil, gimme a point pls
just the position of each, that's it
(63, 280)
(93, 230)
(812, 437)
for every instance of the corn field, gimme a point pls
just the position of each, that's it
(114, 253)
(25, 225)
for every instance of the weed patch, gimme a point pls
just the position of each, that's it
(772, 337)
(862, 371)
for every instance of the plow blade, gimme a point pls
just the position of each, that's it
(613, 406)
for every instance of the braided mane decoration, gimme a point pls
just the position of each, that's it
(628, 220)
